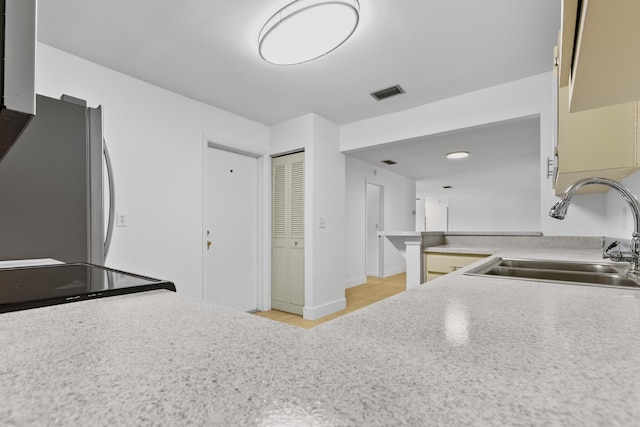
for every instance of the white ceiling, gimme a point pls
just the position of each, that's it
(207, 50)
(502, 156)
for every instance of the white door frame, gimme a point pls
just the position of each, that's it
(380, 228)
(263, 220)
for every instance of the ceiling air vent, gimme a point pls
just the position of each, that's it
(389, 162)
(386, 93)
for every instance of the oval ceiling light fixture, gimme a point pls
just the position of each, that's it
(458, 155)
(307, 29)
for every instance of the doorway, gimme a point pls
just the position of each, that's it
(374, 196)
(230, 262)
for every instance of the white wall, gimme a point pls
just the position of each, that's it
(329, 203)
(620, 225)
(586, 216)
(496, 211)
(520, 98)
(399, 203)
(155, 140)
(436, 213)
(515, 210)
(532, 96)
(324, 198)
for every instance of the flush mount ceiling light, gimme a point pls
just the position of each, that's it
(458, 155)
(307, 29)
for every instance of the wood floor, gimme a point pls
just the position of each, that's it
(376, 289)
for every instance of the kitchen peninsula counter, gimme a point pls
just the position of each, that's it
(460, 350)
(491, 243)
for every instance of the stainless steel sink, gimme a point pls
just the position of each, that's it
(563, 265)
(571, 272)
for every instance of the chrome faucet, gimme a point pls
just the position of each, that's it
(559, 211)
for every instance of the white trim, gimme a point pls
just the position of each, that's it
(212, 144)
(286, 153)
(264, 235)
(356, 281)
(315, 313)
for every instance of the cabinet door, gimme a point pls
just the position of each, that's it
(603, 138)
(604, 61)
(432, 276)
(439, 264)
(600, 142)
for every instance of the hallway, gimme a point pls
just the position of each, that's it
(376, 289)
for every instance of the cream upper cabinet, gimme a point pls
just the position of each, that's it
(599, 57)
(600, 142)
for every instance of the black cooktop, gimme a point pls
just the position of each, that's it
(30, 287)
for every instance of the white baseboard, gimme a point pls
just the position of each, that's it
(356, 281)
(314, 313)
(394, 270)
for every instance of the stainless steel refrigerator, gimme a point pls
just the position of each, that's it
(51, 186)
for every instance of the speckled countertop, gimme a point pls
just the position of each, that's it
(460, 350)
(489, 244)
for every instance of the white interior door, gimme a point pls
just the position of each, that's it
(287, 234)
(373, 226)
(420, 214)
(231, 221)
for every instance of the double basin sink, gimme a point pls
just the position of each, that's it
(570, 272)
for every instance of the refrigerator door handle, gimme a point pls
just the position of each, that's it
(112, 198)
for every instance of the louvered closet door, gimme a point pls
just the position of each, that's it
(287, 269)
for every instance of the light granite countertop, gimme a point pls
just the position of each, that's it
(491, 244)
(459, 249)
(460, 350)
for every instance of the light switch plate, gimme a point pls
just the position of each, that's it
(121, 219)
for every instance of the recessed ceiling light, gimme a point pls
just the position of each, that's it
(307, 29)
(458, 155)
